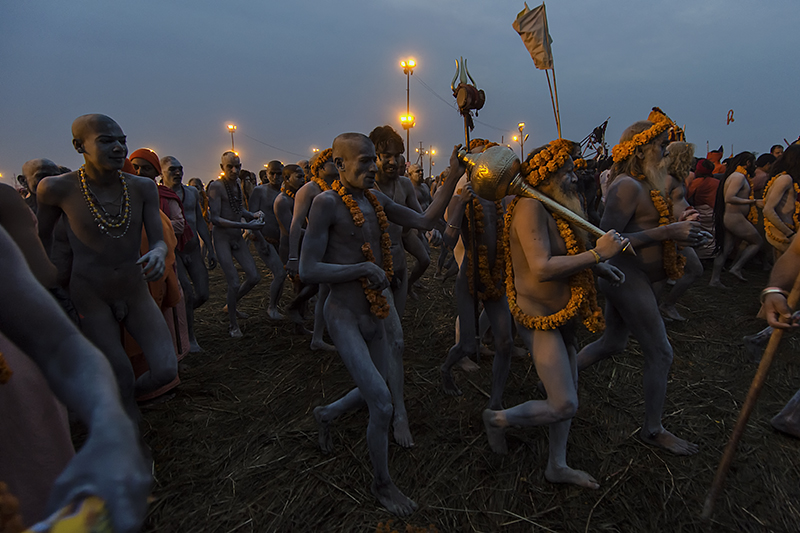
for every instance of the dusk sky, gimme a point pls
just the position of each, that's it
(293, 75)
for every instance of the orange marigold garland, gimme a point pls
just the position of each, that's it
(769, 227)
(378, 304)
(546, 161)
(583, 297)
(475, 143)
(5, 371)
(490, 278)
(752, 216)
(324, 156)
(672, 260)
(287, 191)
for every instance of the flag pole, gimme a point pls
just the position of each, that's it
(554, 90)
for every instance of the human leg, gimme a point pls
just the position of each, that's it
(225, 260)
(692, 271)
(788, 420)
(719, 261)
(270, 256)
(500, 318)
(395, 375)
(638, 308)
(317, 343)
(613, 341)
(748, 233)
(465, 343)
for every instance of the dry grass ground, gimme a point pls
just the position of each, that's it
(236, 448)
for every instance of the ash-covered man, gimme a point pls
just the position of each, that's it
(781, 207)
(413, 240)
(191, 265)
(105, 210)
(636, 206)
(267, 240)
(229, 217)
(550, 283)
(323, 174)
(735, 216)
(347, 245)
(33, 172)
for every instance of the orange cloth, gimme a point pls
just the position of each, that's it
(167, 294)
(716, 157)
(35, 443)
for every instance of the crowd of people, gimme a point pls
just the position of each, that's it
(114, 258)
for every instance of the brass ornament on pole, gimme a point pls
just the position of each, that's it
(495, 174)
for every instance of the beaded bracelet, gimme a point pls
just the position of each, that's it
(596, 255)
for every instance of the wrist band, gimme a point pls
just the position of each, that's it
(772, 290)
(596, 255)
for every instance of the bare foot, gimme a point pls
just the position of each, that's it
(194, 347)
(235, 332)
(737, 274)
(468, 365)
(718, 284)
(566, 474)
(669, 311)
(519, 351)
(495, 433)
(395, 501)
(300, 329)
(402, 433)
(239, 314)
(785, 426)
(322, 345)
(325, 441)
(412, 294)
(668, 441)
(274, 314)
(485, 350)
(449, 384)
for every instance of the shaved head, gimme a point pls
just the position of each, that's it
(92, 123)
(343, 142)
(36, 169)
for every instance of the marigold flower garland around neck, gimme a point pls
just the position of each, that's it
(324, 157)
(770, 229)
(287, 191)
(492, 279)
(752, 215)
(378, 304)
(583, 293)
(672, 261)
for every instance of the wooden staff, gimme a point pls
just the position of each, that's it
(473, 238)
(747, 408)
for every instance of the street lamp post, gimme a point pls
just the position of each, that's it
(521, 139)
(232, 128)
(408, 69)
(431, 153)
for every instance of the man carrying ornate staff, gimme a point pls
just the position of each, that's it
(549, 282)
(346, 240)
(637, 206)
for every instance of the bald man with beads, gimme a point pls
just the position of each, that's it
(106, 209)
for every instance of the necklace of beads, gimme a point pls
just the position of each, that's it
(105, 221)
(234, 201)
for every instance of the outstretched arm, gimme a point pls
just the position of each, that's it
(110, 465)
(321, 219)
(400, 214)
(622, 200)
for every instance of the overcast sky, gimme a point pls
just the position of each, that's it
(294, 74)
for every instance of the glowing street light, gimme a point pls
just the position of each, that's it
(521, 138)
(232, 128)
(408, 69)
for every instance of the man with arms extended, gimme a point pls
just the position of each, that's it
(347, 245)
(191, 265)
(105, 210)
(229, 217)
(637, 206)
(550, 264)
